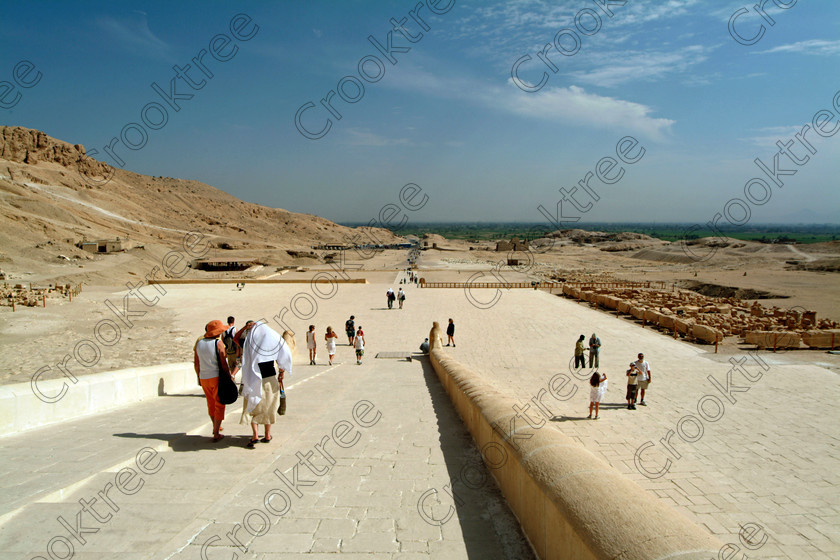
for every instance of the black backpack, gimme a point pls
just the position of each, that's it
(228, 391)
(230, 344)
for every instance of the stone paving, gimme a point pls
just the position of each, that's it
(389, 435)
(771, 457)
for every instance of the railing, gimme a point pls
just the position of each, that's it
(656, 284)
(537, 285)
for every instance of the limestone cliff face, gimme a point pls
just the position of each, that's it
(52, 195)
(24, 145)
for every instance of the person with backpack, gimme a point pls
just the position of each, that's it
(209, 363)
(401, 297)
(231, 348)
(350, 329)
(359, 345)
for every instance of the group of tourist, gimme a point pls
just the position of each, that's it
(254, 350)
(355, 338)
(638, 375)
(391, 297)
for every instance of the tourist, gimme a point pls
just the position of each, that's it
(261, 386)
(644, 377)
(594, 350)
(350, 329)
(450, 333)
(598, 383)
(632, 386)
(424, 346)
(580, 360)
(360, 345)
(310, 343)
(230, 345)
(401, 297)
(389, 295)
(209, 360)
(330, 338)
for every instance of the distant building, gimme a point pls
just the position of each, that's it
(223, 264)
(514, 244)
(102, 246)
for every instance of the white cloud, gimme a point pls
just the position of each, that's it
(573, 105)
(358, 137)
(622, 67)
(814, 46)
(569, 105)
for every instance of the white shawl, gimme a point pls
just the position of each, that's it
(262, 344)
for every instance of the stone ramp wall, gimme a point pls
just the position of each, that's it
(570, 503)
(25, 406)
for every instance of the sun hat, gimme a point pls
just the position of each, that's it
(214, 329)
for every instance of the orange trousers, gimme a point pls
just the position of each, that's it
(211, 391)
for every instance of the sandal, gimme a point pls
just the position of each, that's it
(251, 443)
(267, 440)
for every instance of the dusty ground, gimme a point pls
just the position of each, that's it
(165, 331)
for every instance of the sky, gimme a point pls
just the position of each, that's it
(524, 110)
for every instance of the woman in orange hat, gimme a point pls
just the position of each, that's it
(210, 360)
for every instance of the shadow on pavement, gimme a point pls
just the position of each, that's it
(569, 418)
(489, 528)
(184, 442)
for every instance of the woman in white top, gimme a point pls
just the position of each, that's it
(598, 386)
(209, 358)
(330, 338)
(310, 343)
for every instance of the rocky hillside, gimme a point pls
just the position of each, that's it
(53, 196)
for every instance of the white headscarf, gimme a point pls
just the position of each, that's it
(262, 344)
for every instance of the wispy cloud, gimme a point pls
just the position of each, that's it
(768, 136)
(621, 67)
(359, 137)
(134, 35)
(568, 105)
(574, 105)
(813, 47)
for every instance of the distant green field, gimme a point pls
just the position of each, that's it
(668, 232)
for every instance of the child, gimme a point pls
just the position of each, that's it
(450, 333)
(598, 381)
(360, 345)
(632, 385)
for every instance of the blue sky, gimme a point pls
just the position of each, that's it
(448, 116)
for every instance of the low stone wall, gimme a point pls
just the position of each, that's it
(570, 503)
(61, 400)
